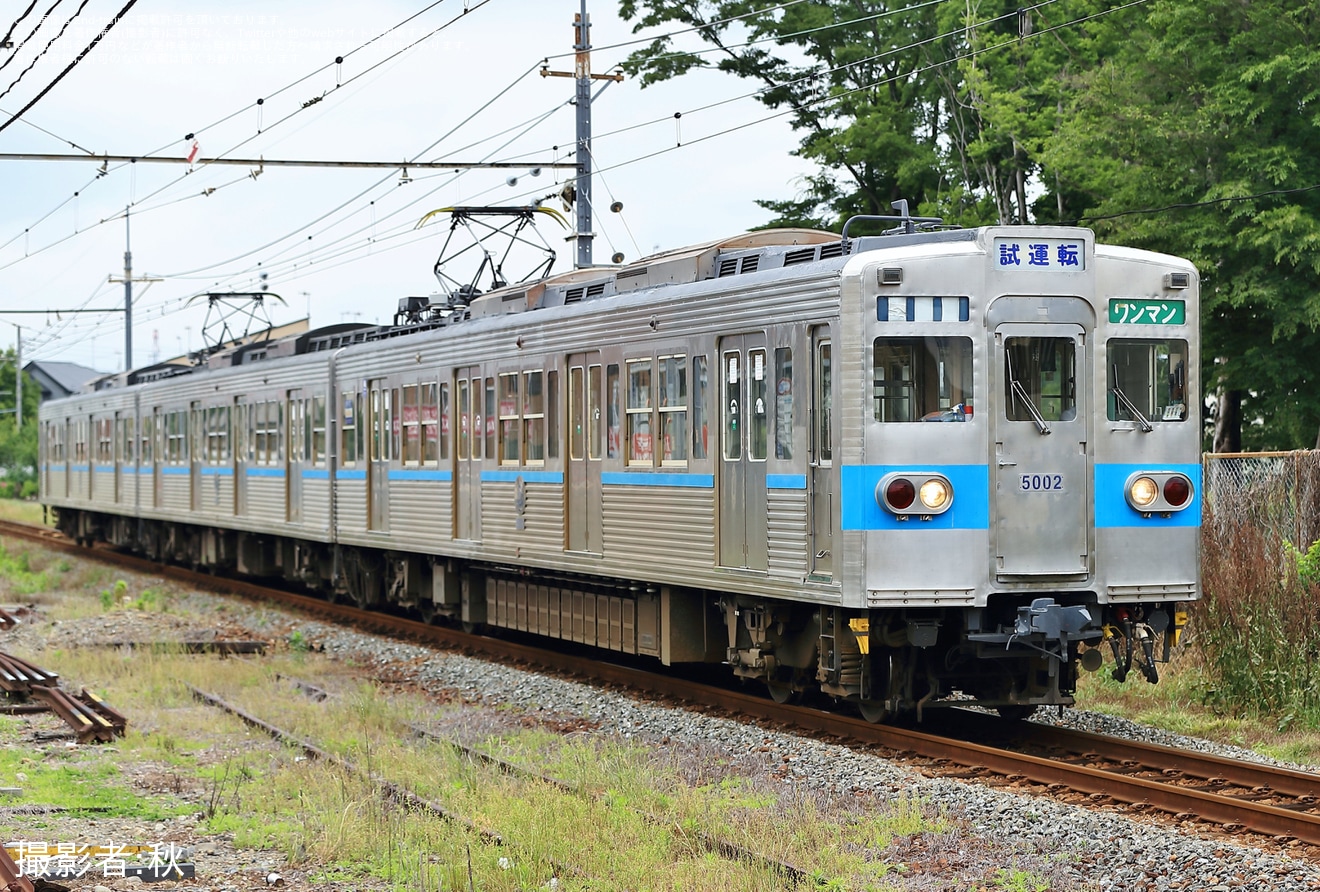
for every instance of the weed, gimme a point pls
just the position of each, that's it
(298, 642)
(17, 569)
(112, 597)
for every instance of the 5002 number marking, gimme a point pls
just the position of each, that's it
(1041, 482)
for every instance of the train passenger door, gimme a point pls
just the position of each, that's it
(822, 455)
(117, 456)
(744, 438)
(240, 440)
(380, 410)
(1041, 436)
(294, 457)
(585, 417)
(467, 457)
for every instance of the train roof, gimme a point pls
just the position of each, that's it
(747, 252)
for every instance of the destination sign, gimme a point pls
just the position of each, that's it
(1139, 311)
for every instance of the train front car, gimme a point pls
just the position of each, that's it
(1021, 491)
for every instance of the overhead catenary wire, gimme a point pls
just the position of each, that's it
(319, 260)
(46, 49)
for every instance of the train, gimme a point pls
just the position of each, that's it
(925, 467)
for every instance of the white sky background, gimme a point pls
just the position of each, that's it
(171, 68)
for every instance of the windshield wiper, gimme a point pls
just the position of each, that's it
(1129, 406)
(1021, 393)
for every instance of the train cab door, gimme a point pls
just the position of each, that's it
(380, 421)
(467, 457)
(1041, 445)
(745, 383)
(585, 429)
(295, 456)
(822, 456)
(240, 440)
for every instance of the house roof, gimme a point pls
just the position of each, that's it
(60, 378)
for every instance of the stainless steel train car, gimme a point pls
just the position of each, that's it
(933, 466)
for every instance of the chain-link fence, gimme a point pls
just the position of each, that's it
(1279, 492)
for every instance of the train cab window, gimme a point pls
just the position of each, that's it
(922, 379)
(612, 413)
(1147, 378)
(783, 403)
(641, 446)
(1040, 377)
(673, 410)
(700, 388)
(348, 431)
(533, 413)
(509, 433)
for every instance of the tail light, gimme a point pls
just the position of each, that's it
(1158, 491)
(923, 494)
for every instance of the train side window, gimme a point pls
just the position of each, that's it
(641, 446)
(144, 441)
(348, 452)
(824, 402)
(412, 427)
(730, 405)
(700, 386)
(130, 440)
(593, 412)
(533, 413)
(464, 420)
(612, 410)
(509, 420)
(492, 450)
(758, 404)
(552, 414)
(1040, 374)
(922, 379)
(577, 428)
(783, 402)
(1148, 376)
(674, 409)
(318, 431)
(433, 398)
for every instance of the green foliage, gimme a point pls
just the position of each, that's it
(113, 597)
(17, 570)
(1184, 126)
(1308, 562)
(18, 446)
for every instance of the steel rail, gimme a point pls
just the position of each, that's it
(1140, 792)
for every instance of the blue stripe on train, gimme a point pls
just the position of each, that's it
(1112, 509)
(971, 498)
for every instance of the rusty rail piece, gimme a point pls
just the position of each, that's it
(224, 648)
(392, 790)
(730, 851)
(1139, 792)
(11, 878)
(18, 676)
(7, 620)
(88, 715)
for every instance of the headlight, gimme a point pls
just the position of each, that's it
(1142, 492)
(1158, 492)
(921, 493)
(935, 493)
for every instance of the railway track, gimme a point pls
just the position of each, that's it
(1236, 796)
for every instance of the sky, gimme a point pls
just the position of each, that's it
(459, 82)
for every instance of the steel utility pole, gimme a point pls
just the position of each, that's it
(128, 281)
(582, 75)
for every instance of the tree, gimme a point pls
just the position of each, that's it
(18, 446)
(1197, 137)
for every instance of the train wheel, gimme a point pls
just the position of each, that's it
(426, 612)
(783, 692)
(872, 711)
